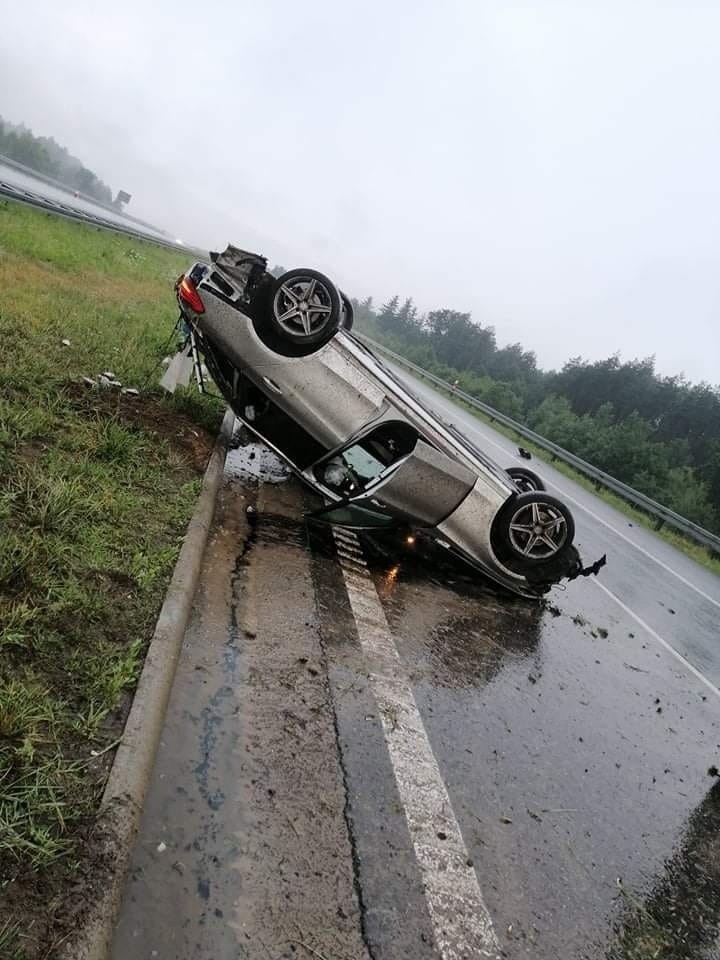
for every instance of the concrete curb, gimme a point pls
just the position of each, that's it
(132, 767)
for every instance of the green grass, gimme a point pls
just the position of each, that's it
(96, 490)
(9, 936)
(694, 550)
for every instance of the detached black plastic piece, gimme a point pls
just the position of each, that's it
(595, 568)
(592, 570)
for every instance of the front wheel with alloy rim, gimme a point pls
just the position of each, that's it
(304, 311)
(533, 529)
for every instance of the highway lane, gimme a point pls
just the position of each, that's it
(370, 753)
(23, 181)
(667, 592)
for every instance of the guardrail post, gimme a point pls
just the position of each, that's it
(659, 523)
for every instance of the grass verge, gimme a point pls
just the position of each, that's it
(694, 550)
(96, 489)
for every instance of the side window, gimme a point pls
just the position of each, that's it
(362, 463)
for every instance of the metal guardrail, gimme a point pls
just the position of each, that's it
(11, 192)
(59, 185)
(600, 478)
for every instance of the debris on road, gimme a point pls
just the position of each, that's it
(593, 569)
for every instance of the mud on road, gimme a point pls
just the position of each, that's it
(373, 754)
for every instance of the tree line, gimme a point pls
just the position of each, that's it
(44, 155)
(660, 434)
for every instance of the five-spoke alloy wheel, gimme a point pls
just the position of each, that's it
(533, 529)
(304, 309)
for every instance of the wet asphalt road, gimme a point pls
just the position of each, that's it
(670, 593)
(370, 753)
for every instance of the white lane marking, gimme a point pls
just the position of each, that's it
(461, 921)
(346, 537)
(650, 556)
(568, 496)
(656, 636)
(348, 547)
(349, 552)
(351, 559)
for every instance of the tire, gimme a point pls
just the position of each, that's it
(525, 480)
(303, 312)
(348, 317)
(533, 530)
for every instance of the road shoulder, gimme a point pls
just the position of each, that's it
(243, 845)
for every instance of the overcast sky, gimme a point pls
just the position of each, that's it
(552, 167)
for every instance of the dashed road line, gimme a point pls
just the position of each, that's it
(461, 921)
(656, 636)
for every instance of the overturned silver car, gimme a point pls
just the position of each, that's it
(282, 353)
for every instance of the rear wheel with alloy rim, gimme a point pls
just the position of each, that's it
(304, 311)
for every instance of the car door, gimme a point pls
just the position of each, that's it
(327, 393)
(426, 486)
(410, 480)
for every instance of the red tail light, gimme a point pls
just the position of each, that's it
(187, 291)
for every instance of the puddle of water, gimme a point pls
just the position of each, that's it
(255, 462)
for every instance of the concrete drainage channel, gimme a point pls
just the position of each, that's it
(132, 767)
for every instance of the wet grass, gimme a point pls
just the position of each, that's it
(95, 492)
(9, 937)
(693, 550)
